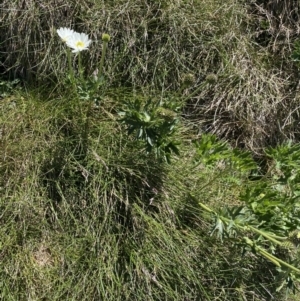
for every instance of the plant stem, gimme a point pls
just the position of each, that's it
(71, 71)
(80, 68)
(104, 47)
(266, 235)
(193, 93)
(269, 256)
(262, 251)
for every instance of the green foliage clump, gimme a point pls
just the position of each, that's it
(267, 220)
(153, 122)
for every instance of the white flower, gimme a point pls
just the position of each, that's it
(78, 41)
(65, 33)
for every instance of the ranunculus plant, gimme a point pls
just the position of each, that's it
(86, 88)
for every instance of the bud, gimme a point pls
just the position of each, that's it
(211, 78)
(166, 114)
(188, 80)
(105, 37)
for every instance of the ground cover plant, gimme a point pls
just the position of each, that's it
(111, 187)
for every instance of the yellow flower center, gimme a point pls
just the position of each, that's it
(79, 44)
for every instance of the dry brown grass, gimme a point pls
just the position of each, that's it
(155, 43)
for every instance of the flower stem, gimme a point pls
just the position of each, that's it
(100, 70)
(71, 71)
(80, 67)
(271, 257)
(104, 47)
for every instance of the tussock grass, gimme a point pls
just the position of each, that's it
(107, 221)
